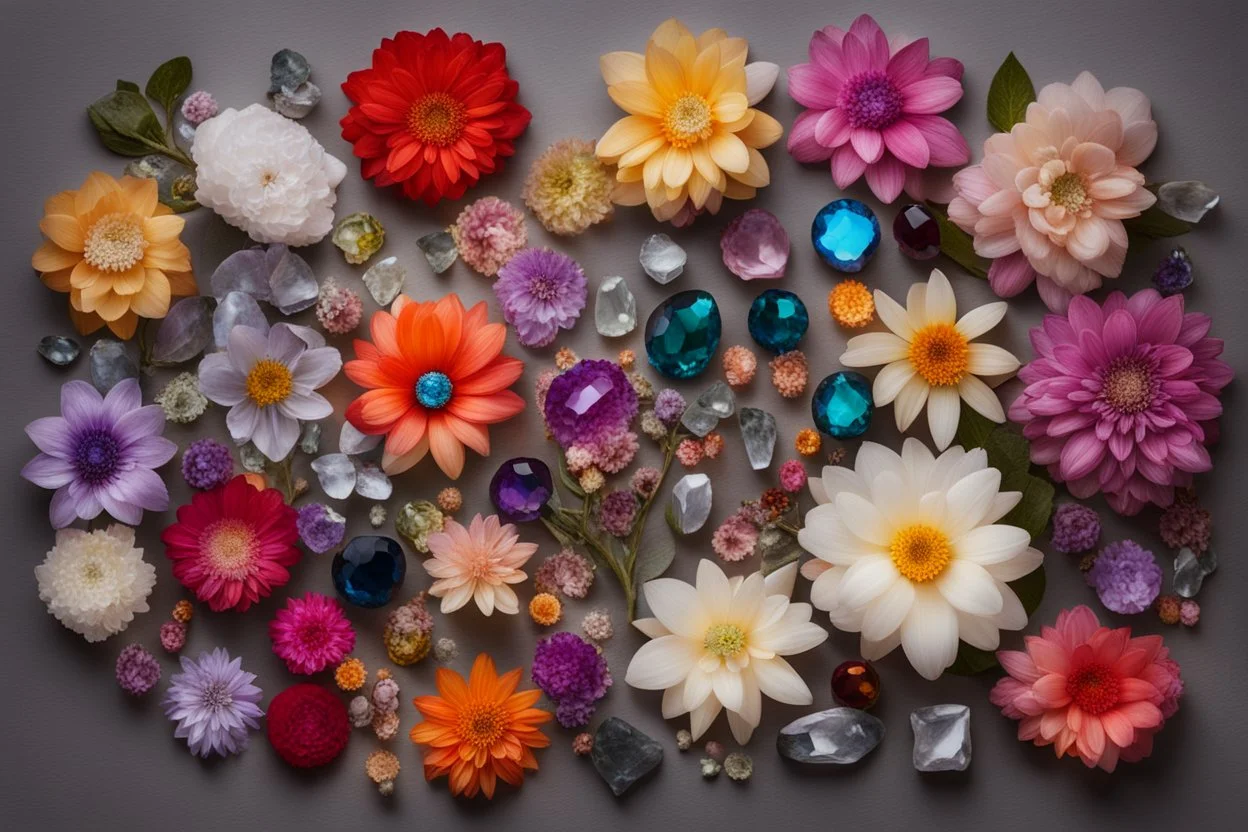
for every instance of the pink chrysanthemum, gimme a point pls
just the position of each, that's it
(792, 476)
(1122, 397)
(615, 451)
(488, 232)
(735, 539)
(1088, 690)
(873, 110)
(311, 633)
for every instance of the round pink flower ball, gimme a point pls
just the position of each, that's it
(792, 476)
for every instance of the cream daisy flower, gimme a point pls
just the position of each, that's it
(930, 359)
(910, 552)
(479, 562)
(718, 645)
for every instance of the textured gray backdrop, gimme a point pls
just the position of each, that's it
(80, 755)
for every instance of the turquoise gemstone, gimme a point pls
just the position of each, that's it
(682, 334)
(778, 320)
(843, 404)
(433, 389)
(846, 234)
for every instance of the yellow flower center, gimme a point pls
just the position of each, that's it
(687, 121)
(724, 640)
(921, 552)
(269, 382)
(229, 546)
(115, 243)
(92, 572)
(437, 119)
(481, 724)
(1069, 192)
(940, 354)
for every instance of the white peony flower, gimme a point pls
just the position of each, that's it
(265, 174)
(94, 582)
(910, 552)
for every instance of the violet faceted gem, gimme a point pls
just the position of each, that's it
(584, 399)
(520, 488)
(755, 246)
(917, 232)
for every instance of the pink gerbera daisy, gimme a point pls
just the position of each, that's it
(311, 633)
(478, 562)
(1089, 690)
(873, 109)
(233, 545)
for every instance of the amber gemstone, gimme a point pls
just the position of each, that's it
(856, 684)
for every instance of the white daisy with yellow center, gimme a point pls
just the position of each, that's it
(929, 358)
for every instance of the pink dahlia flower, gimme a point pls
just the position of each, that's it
(1048, 200)
(1089, 690)
(873, 109)
(311, 633)
(1123, 397)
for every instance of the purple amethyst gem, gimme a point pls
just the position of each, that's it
(520, 488)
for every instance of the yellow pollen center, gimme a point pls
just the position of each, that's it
(115, 243)
(920, 552)
(92, 572)
(269, 382)
(1068, 191)
(481, 724)
(229, 546)
(436, 119)
(724, 640)
(687, 121)
(940, 354)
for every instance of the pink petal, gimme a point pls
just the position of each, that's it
(1119, 335)
(951, 67)
(945, 142)
(868, 144)
(1082, 453)
(847, 166)
(872, 36)
(833, 128)
(1019, 665)
(826, 51)
(1010, 275)
(904, 141)
(933, 94)
(48, 471)
(802, 143)
(886, 178)
(1055, 297)
(909, 64)
(812, 86)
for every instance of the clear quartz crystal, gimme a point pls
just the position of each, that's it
(371, 482)
(287, 71)
(838, 736)
(758, 431)
(298, 102)
(185, 332)
(337, 475)
(715, 403)
(1191, 570)
(236, 309)
(59, 350)
(292, 284)
(111, 364)
(1188, 201)
(251, 459)
(691, 502)
(384, 280)
(310, 438)
(615, 309)
(662, 259)
(175, 182)
(352, 442)
(439, 249)
(942, 737)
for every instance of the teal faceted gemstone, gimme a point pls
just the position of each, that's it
(682, 334)
(846, 234)
(778, 320)
(843, 404)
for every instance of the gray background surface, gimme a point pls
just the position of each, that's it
(79, 755)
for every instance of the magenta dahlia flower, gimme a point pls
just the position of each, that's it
(873, 109)
(311, 633)
(1122, 398)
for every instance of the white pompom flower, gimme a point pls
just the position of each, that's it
(95, 582)
(267, 175)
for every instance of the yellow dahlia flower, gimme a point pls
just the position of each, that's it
(692, 136)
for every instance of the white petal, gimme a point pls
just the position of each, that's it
(661, 663)
(700, 718)
(918, 461)
(316, 367)
(823, 591)
(674, 701)
(991, 360)
(505, 600)
(483, 594)
(652, 627)
(944, 408)
(838, 478)
(884, 615)
(1002, 504)
(246, 346)
(874, 459)
(782, 581)
(220, 382)
(929, 635)
(1012, 615)
(987, 545)
(874, 348)
(982, 398)
(876, 650)
(243, 420)
(970, 498)
(889, 381)
(760, 77)
(827, 538)
(909, 402)
(675, 604)
(728, 688)
(867, 580)
(697, 688)
(981, 319)
(778, 680)
(978, 631)
(894, 316)
(774, 609)
(714, 591)
(916, 304)
(741, 729)
(940, 306)
(863, 519)
(791, 635)
(1024, 563)
(969, 588)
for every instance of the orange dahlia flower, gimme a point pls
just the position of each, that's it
(436, 378)
(115, 249)
(480, 731)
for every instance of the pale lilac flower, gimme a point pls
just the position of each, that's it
(214, 704)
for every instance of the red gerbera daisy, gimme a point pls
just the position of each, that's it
(433, 113)
(232, 545)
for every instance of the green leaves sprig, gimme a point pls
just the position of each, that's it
(1009, 94)
(126, 122)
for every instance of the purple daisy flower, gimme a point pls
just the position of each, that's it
(214, 704)
(592, 400)
(541, 291)
(99, 454)
(572, 672)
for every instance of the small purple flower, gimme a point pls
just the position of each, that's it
(320, 528)
(214, 704)
(669, 406)
(198, 107)
(1174, 274)
(590, 401)
(1076, 528)
(1126, 576)
(571, 671)
(206, 464)
(137, 670)
(541, 291)
(99, 454)
(616, 513)
(755, 246)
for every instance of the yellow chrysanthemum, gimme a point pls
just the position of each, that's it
(692, 136)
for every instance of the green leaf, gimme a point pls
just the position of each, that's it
(130, 86)
(974, 428)
(1010, 453)
(957, 245)
(652, 561)
(971, 660)
(1030, 589)
(776, 548)
(670, 517)
(127, 124)
(1009, 94)
(1033, 512)
(1155, 224)
(567, 480)
(168, 83)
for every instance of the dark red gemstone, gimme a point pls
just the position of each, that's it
(855, 684)
(917, 233)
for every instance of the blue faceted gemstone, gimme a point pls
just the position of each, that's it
(778, 320)
(846, 234)
(369, 570)
(843, 404)
(682, 334)
(433, 389)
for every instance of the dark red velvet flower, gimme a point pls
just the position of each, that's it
(308, 725)
(433, 113)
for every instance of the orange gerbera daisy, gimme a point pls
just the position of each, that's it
(436, 378)
(115, 249)
(480, 731)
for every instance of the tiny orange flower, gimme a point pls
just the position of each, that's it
(851, 304)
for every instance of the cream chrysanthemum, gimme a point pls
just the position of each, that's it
(568, 189)
(94, 582)
(910, 551)
(930, 359)
(266, 175)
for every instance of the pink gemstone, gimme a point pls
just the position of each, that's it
(755, 246)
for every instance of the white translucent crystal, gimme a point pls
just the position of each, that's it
(352, 442)
(110, 364)
(758, 431)
(236, 309)
(371, 482)
(337, 475)
(615, 309)
(691, 502)
(662, 259)
(384, 280)
(1188, 201)
(942, 737)
(715, 403)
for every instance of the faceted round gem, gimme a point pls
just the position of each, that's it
(369, 570)
(856, 684)
(433, 389)
(842, 405)
(917, 232)
(846, 234)
(520, 488)
(682, 334)
(778, 320)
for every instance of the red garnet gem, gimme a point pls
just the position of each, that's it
(917, 232)
(856, 684)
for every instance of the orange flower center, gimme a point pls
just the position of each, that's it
(921, 552)
(269, 382)
(940, 354)
(437, 118)
(229, 546)
(1094, 688)
(115, 243)
(687, 120)
(481, 724)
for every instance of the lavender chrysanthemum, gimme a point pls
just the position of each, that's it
(99, 454)
(1126, 576)
(214, 704)
(669, 406)
(206, 464)
(590, 401)
(571, 671)
(541, 292)
(1076, 528)
(320, 528)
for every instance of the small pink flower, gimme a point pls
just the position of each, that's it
(311, 633)
(735, 539)
(792, 476)
(488, 233)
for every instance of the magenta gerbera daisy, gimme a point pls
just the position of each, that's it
(311, 633)
(1123, 397)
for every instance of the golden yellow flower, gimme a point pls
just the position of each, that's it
(692, 136)
(115, 249)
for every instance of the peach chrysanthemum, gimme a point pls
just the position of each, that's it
(739, 365)
(478, 562)
(790, 373)
(568, 189)
(488, 233)
(545, 609)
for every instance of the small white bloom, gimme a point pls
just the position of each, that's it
(94, 582)
(267, 175)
